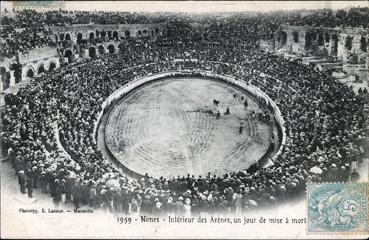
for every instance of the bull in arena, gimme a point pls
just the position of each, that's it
(216, 102)
(245, 104)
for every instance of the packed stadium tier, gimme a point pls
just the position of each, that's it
(181, 125)
(324, 122)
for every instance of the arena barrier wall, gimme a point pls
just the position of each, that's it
(132, 85)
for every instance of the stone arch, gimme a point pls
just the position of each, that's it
(115, 35)
(111, 48)
(348, 42)
(56, 37)
(30, 73)
(283, 38)
(334, 43)
(121, 47)
(103, 33)
(144, 32)
(5, 78)
(52, 66)
(127, 33)
(2, 70)
(308, 40)
(67, 37)
(69, 54)
(101, 49)
(363, 44)
(17, 72)
(327, 38)
(92, 52)
(109, 34)
(139, 33)
(320, 39)
(79, 37)
(61, 36)
(295, 37)
(91, 35)
(313, 36)
(98, 33)
(40, 68)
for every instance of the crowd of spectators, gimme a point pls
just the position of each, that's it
(354, 17)
(326, 126)
(29, 29)
(22, 33)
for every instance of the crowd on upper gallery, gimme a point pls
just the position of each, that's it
(29, 29)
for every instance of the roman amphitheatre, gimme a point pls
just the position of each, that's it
(129, 113)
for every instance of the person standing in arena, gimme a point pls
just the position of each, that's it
(109, 199)
(170, 207)
(76, 193)
(43, 182)
(92, 192)
(69, 189)
(248, 122)
(240, 128)
(57, 195)
(29, 186)
(253, 123)
(134, 207)
(117, 200)
(146, 205)
(245, 104)
(125, 200)
(187, 207)
(238, 202)
(22, 181)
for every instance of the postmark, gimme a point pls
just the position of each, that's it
(337, 207)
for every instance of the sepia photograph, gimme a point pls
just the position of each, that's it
(184, 119)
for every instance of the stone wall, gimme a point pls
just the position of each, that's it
(71, 43)
(349, 45)
(77, 33)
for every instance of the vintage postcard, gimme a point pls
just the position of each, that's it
(184, 119)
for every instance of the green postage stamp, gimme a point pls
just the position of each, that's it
(337, 207)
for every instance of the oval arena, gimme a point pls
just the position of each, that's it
(139, 114)
(167, 124)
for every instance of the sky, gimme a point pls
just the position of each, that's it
(204, 6)
(209, 6)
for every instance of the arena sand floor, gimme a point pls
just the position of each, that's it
(166, 129)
